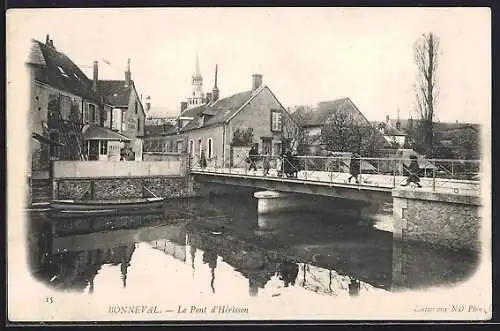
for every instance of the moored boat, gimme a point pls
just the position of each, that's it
(83, 206)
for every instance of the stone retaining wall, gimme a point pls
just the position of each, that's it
(449, 220)
(124, 188)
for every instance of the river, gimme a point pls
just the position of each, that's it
(221, 245)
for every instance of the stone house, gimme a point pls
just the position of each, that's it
(211, 127)
(343, 111)
(62, 100)
(123, 111)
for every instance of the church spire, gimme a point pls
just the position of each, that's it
(197, 66)
(197, 96)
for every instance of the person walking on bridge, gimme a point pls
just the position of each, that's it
(266, 164)
(354, 166)
(413, 171)
(252, 158)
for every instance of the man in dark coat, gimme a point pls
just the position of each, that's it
(354, 167)
(203, 160)
(413, 171)
(252, 158)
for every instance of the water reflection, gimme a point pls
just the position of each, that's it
(224, 244)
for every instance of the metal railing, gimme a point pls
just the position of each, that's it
(458, 176)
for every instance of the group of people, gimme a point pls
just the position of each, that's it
(286, 164)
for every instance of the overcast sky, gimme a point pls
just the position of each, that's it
(306, 55)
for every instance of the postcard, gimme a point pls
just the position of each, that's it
(235, 164)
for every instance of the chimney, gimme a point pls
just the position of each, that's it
(398, 125)
(184, 106)
(387, 119)
(256, 81)
(148, 103)
(128, 75)
(215, 90)
(49, 42)
(95, 76)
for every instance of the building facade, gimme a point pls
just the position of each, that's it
(63, 99)
(124, 112)
(212, 128)
(64, 103)
(339, 113)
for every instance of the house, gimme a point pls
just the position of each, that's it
(157, 127)
(124, 112)
(392, 132)
(157, 136)
(69, 119)
(63, 99)
(340, 112)
(212, 127)
(103, 144)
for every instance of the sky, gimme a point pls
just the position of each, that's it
(306, 55)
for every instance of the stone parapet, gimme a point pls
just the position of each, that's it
(445, 219)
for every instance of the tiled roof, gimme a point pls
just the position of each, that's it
(217, 112)
(326, 109)
(57, 70)
(115, 92)
(94, 132)
(193, 111)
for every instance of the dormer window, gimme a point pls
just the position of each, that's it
(61, 70)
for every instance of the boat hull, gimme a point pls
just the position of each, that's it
(106, 205)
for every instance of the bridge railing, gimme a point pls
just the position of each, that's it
(437, 174)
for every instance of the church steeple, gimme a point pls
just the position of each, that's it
(197, 68)
(197, 97)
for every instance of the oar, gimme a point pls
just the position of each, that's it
(150, 192)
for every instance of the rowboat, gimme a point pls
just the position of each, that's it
(58, 214)
(93, 206)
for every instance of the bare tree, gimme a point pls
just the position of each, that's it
(293, 130)
(426, 50)
(343, 132)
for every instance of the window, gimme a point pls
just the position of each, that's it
(61, 70)
(136, 107)
(123, 121)
(65, 107)
(191, 147)
(210, 147)
(138, 124)
(199, 147)
(92, 114)
(276, 120)
(104, 147)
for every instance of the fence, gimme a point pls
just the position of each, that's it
(438, 174)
